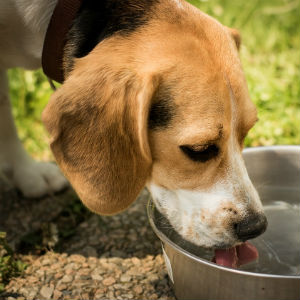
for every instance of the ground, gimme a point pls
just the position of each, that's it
(71, 253)
(68, 252)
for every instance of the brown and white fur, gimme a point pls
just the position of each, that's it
(161, 102)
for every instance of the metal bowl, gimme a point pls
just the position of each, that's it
(275, 172)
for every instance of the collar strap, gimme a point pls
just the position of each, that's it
(59, 26)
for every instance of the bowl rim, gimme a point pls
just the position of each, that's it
(165, 239)
(274, 147)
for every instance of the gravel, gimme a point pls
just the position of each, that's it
(90, 278)
(116, 257)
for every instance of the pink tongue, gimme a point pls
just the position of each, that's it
(236, 256)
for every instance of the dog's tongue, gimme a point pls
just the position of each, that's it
(236, 256)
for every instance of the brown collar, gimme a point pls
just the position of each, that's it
(60, 23)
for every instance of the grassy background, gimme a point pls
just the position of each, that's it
(270, 56)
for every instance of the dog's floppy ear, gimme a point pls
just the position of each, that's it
(236, 36)
(97, 123)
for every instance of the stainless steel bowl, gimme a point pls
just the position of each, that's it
(275, 171)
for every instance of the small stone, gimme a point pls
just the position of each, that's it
(46, 292)
(134, 271)
(85, 272)
(125, 278)
(37, 263)
(116, 260)
(23, 290)
(32, 279)
(84, 225)
(109, 281)
(138, 289)
(159, 259)
(57, 294)
(99, 271)
(77, 258)
(153, 278)
(85, 296)
(101, 290)
(92, 260)
(70, 271)
(46, 262)
(136, 261)
(98, 296)
(96, 277)
(109, 266)
(40, 273)
(127, 296)
(67, 278)
(153, 297)
(81, 283)
(85, 277)
(58, 275)
(110, 295)
(55, 266)
(147, 269)
(61, 287)
(31, 294)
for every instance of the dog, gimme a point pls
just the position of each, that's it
(153, 95)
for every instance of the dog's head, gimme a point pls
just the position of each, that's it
(165, 105)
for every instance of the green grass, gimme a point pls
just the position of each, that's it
(270, 56)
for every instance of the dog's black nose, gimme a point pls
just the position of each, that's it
(251, 227)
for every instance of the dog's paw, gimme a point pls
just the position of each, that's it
(36, 179)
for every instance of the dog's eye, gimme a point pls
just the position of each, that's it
(202, 154)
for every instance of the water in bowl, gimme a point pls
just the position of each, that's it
(278, 247)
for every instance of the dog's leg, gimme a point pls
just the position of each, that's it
(34, 179)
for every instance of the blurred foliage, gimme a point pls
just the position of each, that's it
(270, 56)
(30, 92)
(10, 266)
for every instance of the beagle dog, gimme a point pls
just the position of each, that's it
(153, 95)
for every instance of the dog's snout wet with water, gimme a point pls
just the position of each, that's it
(207, 219)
